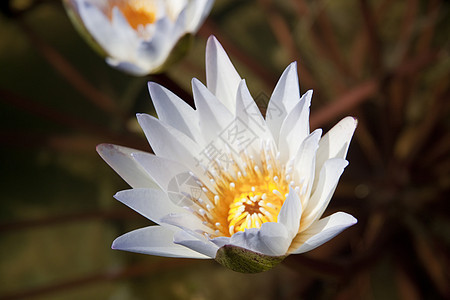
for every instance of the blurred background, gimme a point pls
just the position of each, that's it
(385, 62)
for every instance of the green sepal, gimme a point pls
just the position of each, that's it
(245, 261)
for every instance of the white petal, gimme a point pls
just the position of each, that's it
(248, 112)
(174, 111)
(153, 240)
(202, 246)
(295, 128)
(186, 221)
(121, 160)
(101, 29)
(335, 143)
(174, 178)
(271, 239)
(165, 35)
(284, 97)
(214, 116)
(170, 143)
(127, 67)
(151, 203)
(221, 241)
(172, 8)
(304, 165)
(322, 231)
(197, 11)
(221, 77)
(290, 213)
(321, 196)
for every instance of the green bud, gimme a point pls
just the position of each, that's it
(245, 261)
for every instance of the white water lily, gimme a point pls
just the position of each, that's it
(139, 36)
(224, 182)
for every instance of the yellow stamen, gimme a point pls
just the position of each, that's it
(137, 12)
(251, 195)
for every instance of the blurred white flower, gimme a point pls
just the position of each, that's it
(139, 36)
(224, 182)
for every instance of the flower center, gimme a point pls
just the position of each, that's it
(243, 196)
(137, 12)
(256, 205)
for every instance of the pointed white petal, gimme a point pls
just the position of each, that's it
(186, 221)
(121, 160)
(321, 196)
(271, 239)
(335, 143)
(153, 240)
(249, 114)
(202, 246)
(197, 11)
(174, 111)
(174, 178)
(170, 143)
(290, 213)
(322, 231)
(295, 128)
(221, 77)
(153, 204)
(304, 165)
(284, 97)
(214, 116)
(163, 170)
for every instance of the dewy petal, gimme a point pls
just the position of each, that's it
(336, 142)
(222, 78)
(322, 231)
(290, 213)
(328, 180)
(154, 240)
(295, 128)
(271, 239)
(174, 111)
(199, 245)
(153, 204)
(121, 160)
(284, 97)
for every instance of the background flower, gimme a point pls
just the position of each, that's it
(139, 36)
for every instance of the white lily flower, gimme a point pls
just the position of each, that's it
(139, 36)
(224, 182)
